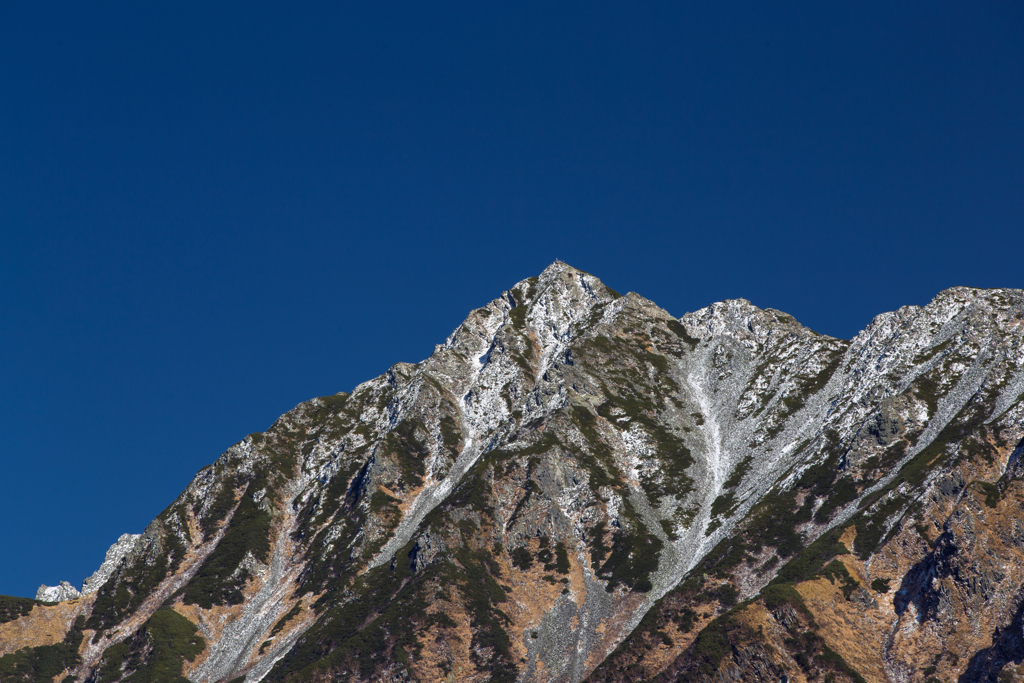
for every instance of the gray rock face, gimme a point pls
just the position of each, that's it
(115, 556)
(123, 547)
(59, 593)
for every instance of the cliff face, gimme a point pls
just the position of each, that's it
(577, 485)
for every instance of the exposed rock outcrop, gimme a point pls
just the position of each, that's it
(59, 593)
(121, 549)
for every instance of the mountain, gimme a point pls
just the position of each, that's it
(577, 485)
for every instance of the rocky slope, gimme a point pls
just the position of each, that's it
(578, 486)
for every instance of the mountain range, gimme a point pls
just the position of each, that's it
(578, 486)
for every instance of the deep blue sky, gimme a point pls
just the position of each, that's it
(210, 212)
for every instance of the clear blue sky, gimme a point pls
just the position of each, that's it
(210, 212)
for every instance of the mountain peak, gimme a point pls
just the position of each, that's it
(577, 485)
(558, 266)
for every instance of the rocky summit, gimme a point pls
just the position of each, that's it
(578, 486)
